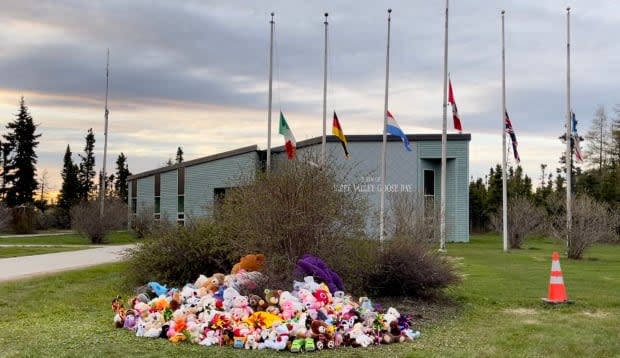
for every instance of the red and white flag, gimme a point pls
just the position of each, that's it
(455, 112)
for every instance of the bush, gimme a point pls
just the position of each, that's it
(46, 220)
(143, 223)
(5, 217)
(86, 218)
(524, 220)
(592, 222)
(411, 216)
(291, 211)
(23, 219)
(407, 267)
(175, 255)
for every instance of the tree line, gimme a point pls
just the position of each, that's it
(18, 172)
(597, 177)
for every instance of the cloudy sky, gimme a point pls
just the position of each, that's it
(195, 73)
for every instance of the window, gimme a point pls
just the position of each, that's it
(429, 191)
(157, 205)
(181, 204)
(134, 205)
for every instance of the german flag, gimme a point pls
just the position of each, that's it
(337, 131)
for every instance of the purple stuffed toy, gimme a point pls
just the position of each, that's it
(310, 265)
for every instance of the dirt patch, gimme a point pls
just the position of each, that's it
(521, 311)
(423, 313)
(595, 314)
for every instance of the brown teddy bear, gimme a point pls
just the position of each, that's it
(252, 262)
(322, 335)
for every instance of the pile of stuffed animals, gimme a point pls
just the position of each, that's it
(223, 310)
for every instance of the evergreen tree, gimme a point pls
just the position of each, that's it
(70, 190)
(5, 168)
(495, 189)
(20, 180)
(179, 157)
(478, 206)
(122, 173)
(87, 168)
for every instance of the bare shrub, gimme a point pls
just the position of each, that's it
(175, 255)
(292, 210)
(411, 216)
(86, 218)
(592, 222)
(524, 220)
(5, 217)
(23, 219)
(143, 223)
(408, 267)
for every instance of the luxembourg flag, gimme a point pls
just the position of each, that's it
(394, 129)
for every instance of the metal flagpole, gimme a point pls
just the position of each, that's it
(504, 185)
(324, 96)
(569, 154)
(384, 145)
(105, 134)
(270, 95)
(444, 141)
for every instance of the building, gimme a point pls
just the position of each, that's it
(190, 188)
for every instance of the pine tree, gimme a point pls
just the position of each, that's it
(87, 168)
(122, 173)
(5, 168)
(70, 190)
(20, 180)
(179, 157)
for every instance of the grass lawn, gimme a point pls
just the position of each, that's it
(496, 311)
(114, 238)
(16, 251)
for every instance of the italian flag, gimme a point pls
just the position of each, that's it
(289, 139)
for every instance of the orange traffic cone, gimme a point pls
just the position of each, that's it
(557, 291)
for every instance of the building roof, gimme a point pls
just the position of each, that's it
(302, 144)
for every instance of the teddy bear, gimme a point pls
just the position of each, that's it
(256, 302)
(130, 320)
(393, 335)
(359, 337)
(277, 339)
(251, 341)
(240, 309)
(272, 297)
(251, 262)
(322, 333)
(119, 312)
(310, 265)
(289, 305)
(209, 338)
(206, 285)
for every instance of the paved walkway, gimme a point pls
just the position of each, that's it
(15, 268)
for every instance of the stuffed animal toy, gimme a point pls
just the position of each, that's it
(393, 335)
(252, 262)
(256, 302)
(245, 281)
(314, 266)
(359, 337)
(210, 338)
(391, 315)
(158, 289)
(251, 341)
(322, 333)
(272, 297)
(289, 305)
(240, 309)
(119, 312)
(278, 338)
(130, 320)
(154, 325)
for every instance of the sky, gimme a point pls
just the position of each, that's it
(195, 73)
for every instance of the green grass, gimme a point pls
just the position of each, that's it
(114, 238)
(16, 251)
(499, 312)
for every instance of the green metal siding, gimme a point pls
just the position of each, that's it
(202, 179)
(146, 194)
(168, 198)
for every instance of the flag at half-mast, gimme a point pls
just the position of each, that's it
(576, 139)
(394, 129)
(337, 131)
(289, 139)
(513, 137)
(455, 112)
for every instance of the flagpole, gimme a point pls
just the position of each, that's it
(384, 145)
(569, 154)
(444, 140)
(324, 96)
(503, 126)
(270, 94)
(105, 134)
